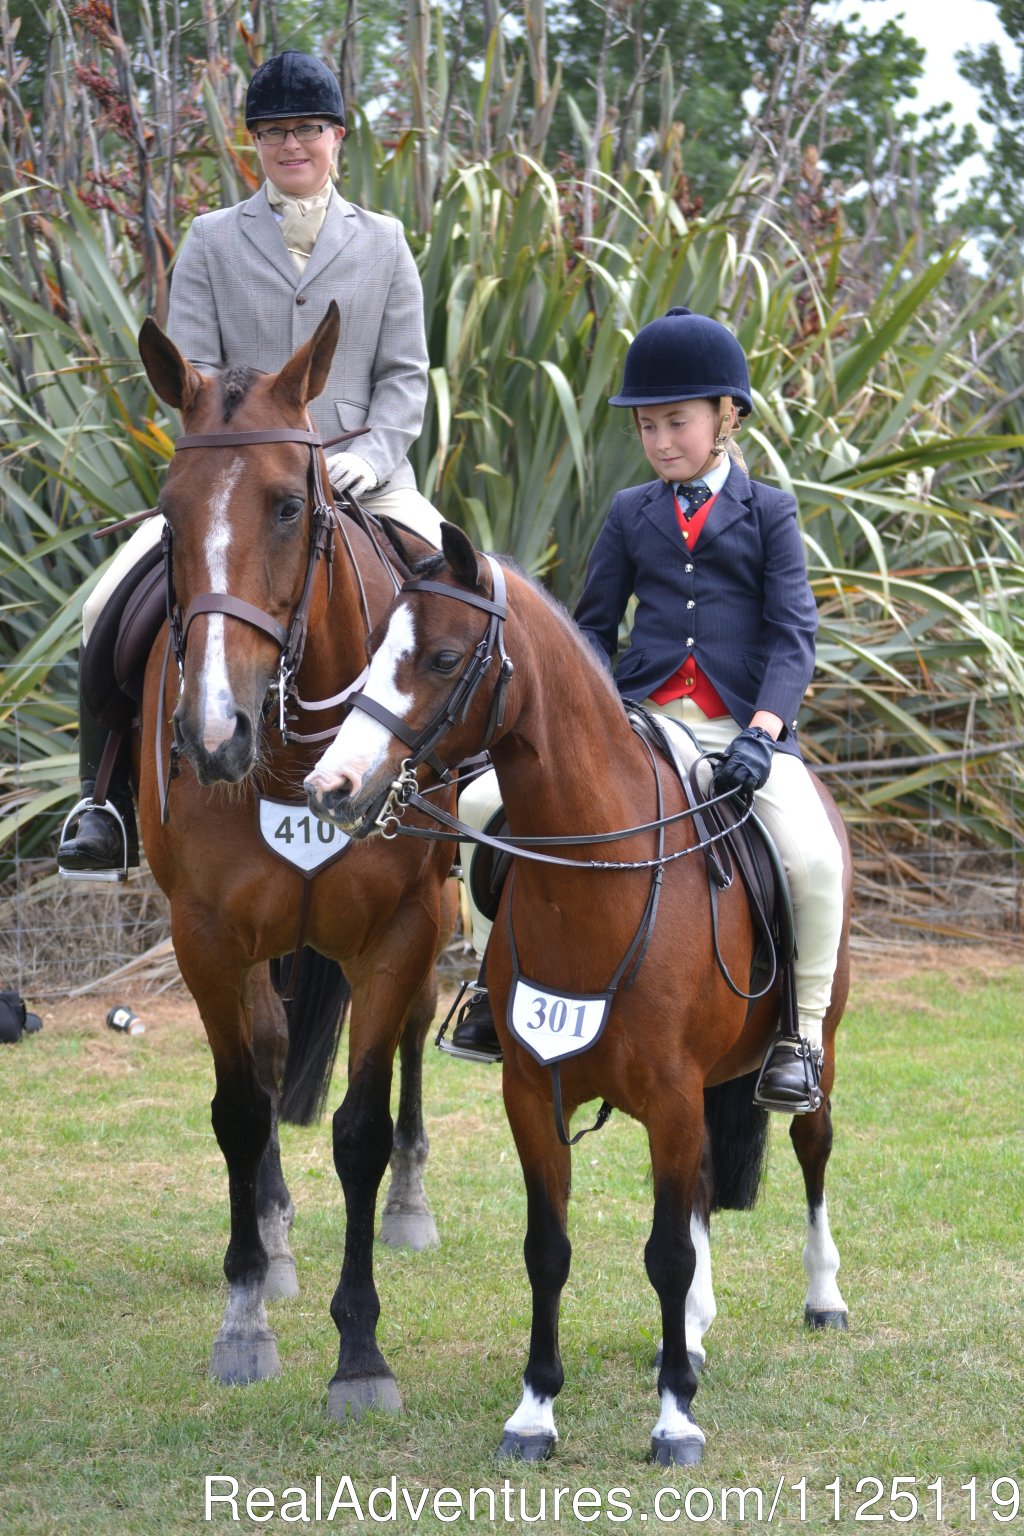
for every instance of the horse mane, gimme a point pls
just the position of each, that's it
(431, 566)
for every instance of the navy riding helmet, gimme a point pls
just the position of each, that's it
(293, 84)
(684, 356)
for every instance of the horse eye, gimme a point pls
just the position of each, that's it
(290, 510)
(446, 661)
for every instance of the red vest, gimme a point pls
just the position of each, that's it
(690, 682)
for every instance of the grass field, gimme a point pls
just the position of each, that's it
(113, 1225)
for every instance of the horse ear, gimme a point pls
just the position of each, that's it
(305, 373)
(460, 555)
(172, 376)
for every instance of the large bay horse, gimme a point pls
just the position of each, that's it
(568, 762)
(275, 594)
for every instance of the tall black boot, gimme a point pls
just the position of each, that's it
(100, 838)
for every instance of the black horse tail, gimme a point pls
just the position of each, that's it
(316, 1014)
(737, 1131)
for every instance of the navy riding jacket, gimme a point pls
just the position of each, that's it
(739, 602)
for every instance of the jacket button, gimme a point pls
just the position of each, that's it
(687, 567)
(690, 640)
(301, 299)
(690, 604)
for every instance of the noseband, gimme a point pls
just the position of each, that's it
(456, 707)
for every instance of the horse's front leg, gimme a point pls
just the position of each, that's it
(242, 1113)
(675, 1133)
(530, 1433)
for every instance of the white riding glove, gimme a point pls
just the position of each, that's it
(348, 472)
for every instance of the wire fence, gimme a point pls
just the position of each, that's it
(917, 877)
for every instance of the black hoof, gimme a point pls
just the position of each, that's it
(817, 1320)
(352, 1397)
(676, 1453)
(515, 1447)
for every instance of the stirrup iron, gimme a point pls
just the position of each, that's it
(108, 808)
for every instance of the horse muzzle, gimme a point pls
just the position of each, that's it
(225, 756)
(351, 806)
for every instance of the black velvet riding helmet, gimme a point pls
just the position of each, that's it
(293, 84)
(684, 356)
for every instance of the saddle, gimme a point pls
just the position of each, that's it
(114, 661)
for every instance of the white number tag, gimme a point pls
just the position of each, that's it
(554, 1025)
(299, 837)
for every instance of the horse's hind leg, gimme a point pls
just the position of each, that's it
(676, 1143)
(406, 1221)
(824, 1306)
(274, 1209)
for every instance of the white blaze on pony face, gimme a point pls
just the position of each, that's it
(216, 700)
(362, 743)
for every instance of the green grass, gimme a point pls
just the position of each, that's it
(112, 1229)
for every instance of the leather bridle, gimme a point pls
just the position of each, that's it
(291, 640)
(456, 706)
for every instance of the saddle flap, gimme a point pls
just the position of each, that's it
(102, 680)
(141, 621)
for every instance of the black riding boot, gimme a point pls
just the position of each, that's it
(474, 1036)
(790, 1077)
(93, 841)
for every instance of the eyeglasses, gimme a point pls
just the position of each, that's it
(305, 133)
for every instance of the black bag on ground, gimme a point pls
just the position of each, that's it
(15, 1020)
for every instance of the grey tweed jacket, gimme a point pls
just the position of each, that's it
(237, 298)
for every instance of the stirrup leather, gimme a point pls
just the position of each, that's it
(108, 808)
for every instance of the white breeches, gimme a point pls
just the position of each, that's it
(404, 505)
(795, 817)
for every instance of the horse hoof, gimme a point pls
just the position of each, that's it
(817, 1320)
(282, 1281)
(350, 1397)
(515, 1447)
(237, 1360)
(697, 1361)
(676, 1452)
(409, 1229)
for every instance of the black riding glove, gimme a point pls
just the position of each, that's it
(745, 764)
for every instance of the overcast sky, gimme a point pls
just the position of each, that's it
(943, 27)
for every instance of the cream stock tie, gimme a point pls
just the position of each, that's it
(301, 219)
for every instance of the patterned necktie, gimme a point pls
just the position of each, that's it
(692, 497)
